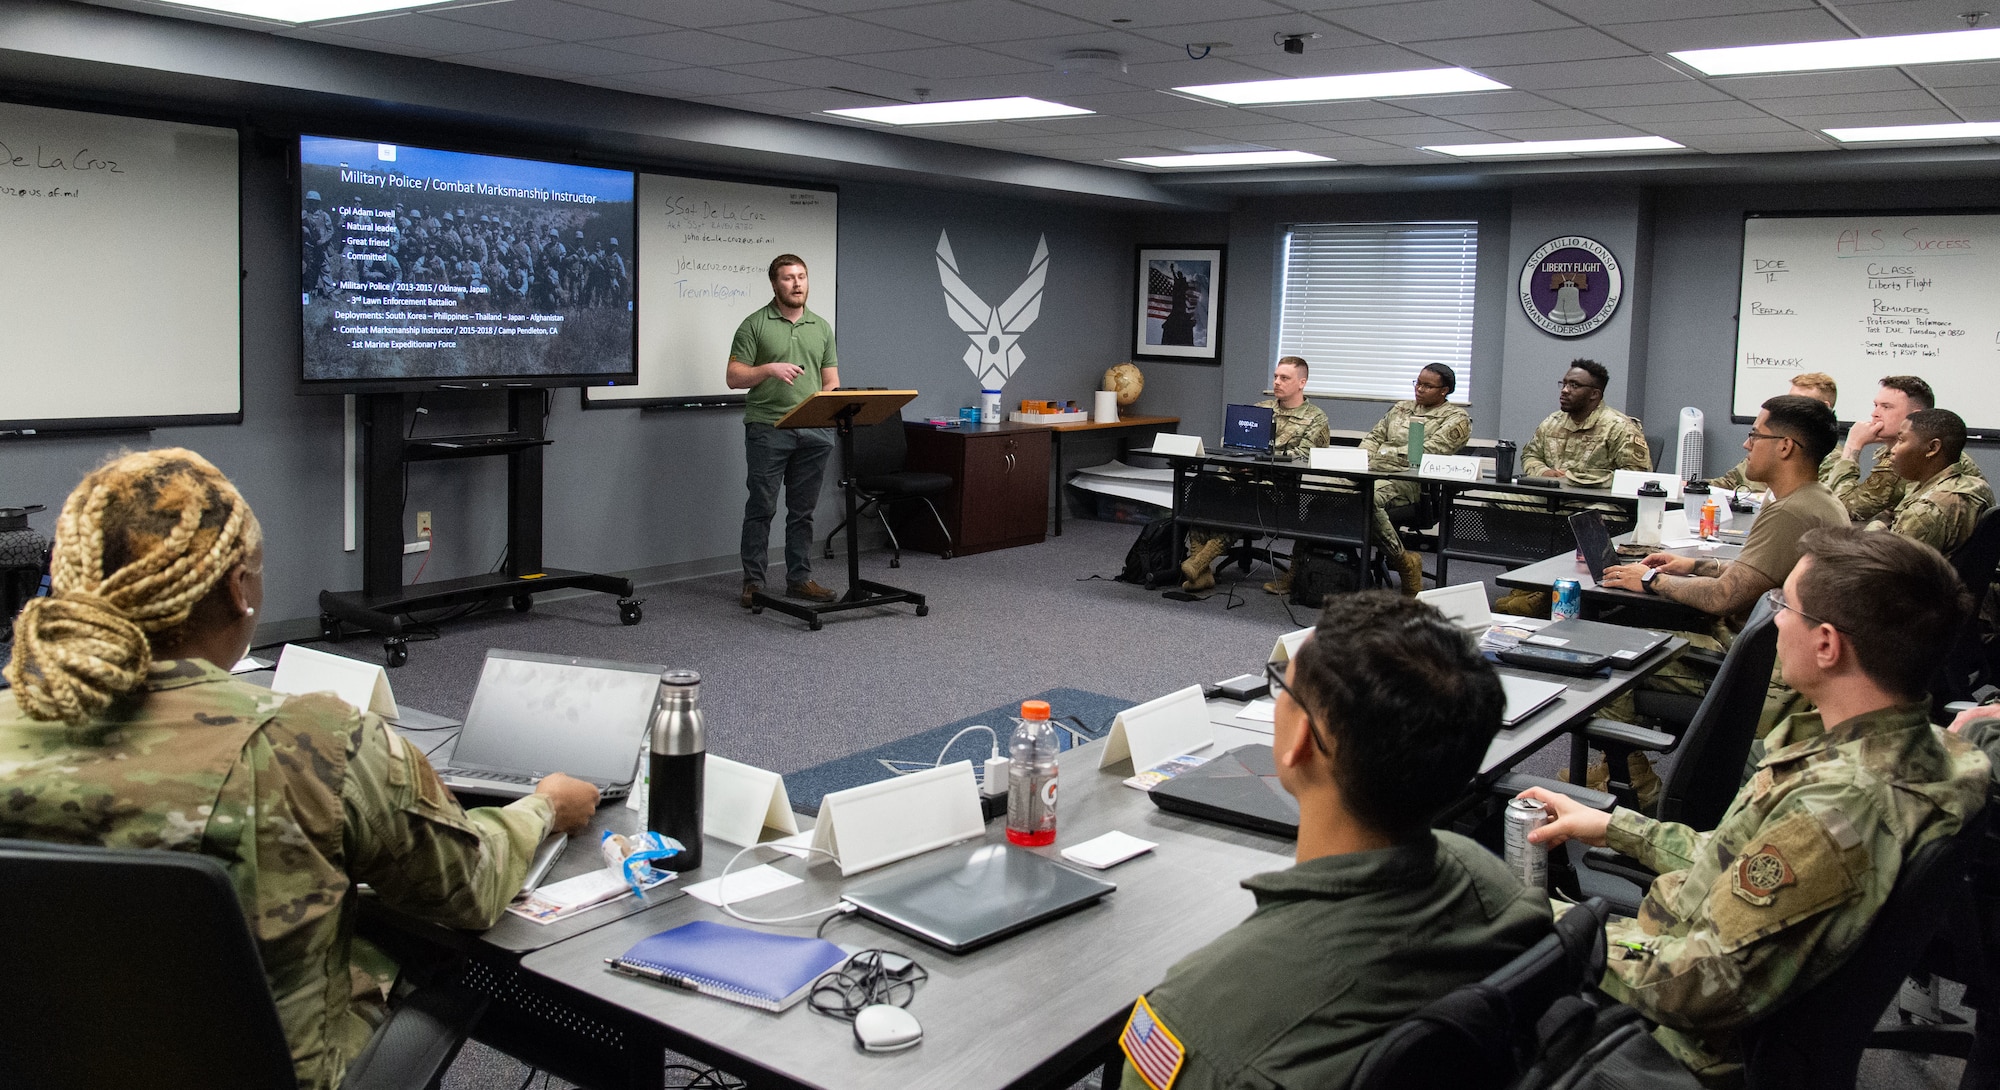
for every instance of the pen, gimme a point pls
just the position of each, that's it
(654, 975)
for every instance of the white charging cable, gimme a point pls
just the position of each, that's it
(990, 733)
(722, 901)
(993, 780)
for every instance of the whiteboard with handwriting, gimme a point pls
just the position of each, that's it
(1861, 296)
(119, 298)
(705, 250)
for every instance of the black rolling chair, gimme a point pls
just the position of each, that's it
(136, 969)
(1483, 1034)
(881, 451)
(1965, 667)
(1816, 1039)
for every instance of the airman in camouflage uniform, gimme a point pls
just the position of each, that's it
(1882, 490)
(1738, 477)
(299, 797)
(1778, 895)
(1941, 511)
(1446, 428)
(1588, 451)
(1295, 431)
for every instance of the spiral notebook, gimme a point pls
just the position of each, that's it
(769, 972)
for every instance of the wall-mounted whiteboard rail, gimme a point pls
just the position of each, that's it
(1861, 296)
(120, 298)
(705, 249)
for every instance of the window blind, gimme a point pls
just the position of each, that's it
(1369, 304)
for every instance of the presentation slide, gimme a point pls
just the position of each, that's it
(421, 264)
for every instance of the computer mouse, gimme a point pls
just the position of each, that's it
(884, 1027)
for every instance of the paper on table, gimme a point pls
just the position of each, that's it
(797, 845)
(1263, 710)
(573, 895)
(1108, 850)
(744, 885)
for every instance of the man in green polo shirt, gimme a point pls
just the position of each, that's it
(783, 354)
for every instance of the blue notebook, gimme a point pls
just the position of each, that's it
(770, 972)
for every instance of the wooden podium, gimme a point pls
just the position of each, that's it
(842, 410)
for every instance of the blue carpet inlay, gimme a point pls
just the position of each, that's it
(1092, 712)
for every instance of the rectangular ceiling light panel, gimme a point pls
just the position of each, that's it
(1229, 159)
(1269, 92)
(1948, 47)
(955, 113)
(304, 11)
(1557, 147)
(1960, 130)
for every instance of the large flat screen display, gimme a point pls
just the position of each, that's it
(423, 268)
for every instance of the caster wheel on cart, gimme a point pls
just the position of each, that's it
(923, 611)
(815, 625)
(396, 650)
(329, 628)
(629, 611)
(523, 603)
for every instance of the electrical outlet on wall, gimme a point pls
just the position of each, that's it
(424, 524)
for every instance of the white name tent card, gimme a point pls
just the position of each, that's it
(1159, 729)
(740, 801)
(1349, 459)
(1288, 645)
(1176, 443)
(1449, 467)
(865, 827)
(1626, 482)
(365, 685)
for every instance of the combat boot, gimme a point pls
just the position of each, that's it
(1196, 567)
(1411, 566)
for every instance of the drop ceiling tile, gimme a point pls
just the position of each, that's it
(1098, 123)
(1959, 75)
(1909, 16)
(1258, 35)
(573, 59)
(1038, 83)
(1610, 12)
(1714, 31)
(1039, 142)
(333, 37)
(1282, 135)
(1577, 132)
(1542, 46)
(516, 64)
(702, 82)
(1638, 94)
(1611, 72)
(823, 72)
(978, 21)
(1685, 111)
(1537, 119)
(702, 47)
(1488, 102)
(1344, 147)
(1336, 112)
(552, 19)
(1981, 103)
(1203, 119)
(1875, 120)
(1182, 72)
(829, 35)
(1814, 84)
(848, 7)
(438, 36)
(1913, 102)
(1755, 142)
(947, 61)
(1153, 13)
(1675, 130)
(800, 103)
(700, 13)
(1401, 126)
(1424, 20)
(1045, 50)
(1135, 103)
(1318, 61)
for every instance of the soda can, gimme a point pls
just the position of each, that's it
(1529, 862)
(1568, 600)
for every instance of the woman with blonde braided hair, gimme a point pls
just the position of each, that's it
(124, 729)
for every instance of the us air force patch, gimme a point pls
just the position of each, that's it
(1761, 874)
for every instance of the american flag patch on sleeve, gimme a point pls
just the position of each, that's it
(1156, 1054)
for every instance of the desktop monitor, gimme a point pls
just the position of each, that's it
(1248, 429)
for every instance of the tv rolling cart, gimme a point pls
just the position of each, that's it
(842, 410)
(383, 603)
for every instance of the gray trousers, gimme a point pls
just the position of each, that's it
(794, 459)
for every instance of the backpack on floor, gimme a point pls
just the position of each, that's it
(1321, 571)
(1150, 561)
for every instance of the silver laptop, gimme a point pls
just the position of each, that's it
(966, 896)
(535, 714)
(1525, 697)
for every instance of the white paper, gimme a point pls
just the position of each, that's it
(1338, 458)
(1163, 727)
(365, 685)
(1262, 710)
(740, 801)
(1105, 851)
(248, 665)
(744, 885)
(798, 845)
(1449, 467)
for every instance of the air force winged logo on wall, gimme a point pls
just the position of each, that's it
(994, 354)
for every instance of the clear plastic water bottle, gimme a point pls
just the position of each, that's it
(1031, 778)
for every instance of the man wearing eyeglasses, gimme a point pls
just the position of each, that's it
(1776, 897)
(1382, 718)
(1817, 385)
(1446, 428)
(1584, 441)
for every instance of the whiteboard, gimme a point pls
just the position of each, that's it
(1861, 296)
(119, 285)
(705, 250)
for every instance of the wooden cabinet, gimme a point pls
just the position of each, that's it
(1000, 486)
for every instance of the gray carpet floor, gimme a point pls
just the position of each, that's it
(1003, 625)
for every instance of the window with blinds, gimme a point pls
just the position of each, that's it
(1369, 304)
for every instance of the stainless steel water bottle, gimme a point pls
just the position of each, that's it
(679, 754)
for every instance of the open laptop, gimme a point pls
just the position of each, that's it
(967, 896)
(1248, 429)
(534, 714)
(1594, 542)
(1239, 787)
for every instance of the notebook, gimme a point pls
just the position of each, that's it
(534, 714)
(754, 968)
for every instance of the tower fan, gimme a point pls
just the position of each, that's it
(1687, 463)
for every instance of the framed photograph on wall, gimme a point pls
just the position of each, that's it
(1179, 309)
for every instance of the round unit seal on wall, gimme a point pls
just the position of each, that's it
(1571, 286)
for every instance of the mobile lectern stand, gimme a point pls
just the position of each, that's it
(842, 410)
(383, 601)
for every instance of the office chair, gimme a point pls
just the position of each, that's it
(1483, 1035)
(880, 480)
(136, 969)
(1816, 1039)
(1965, 667)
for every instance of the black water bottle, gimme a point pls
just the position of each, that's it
(679, 754)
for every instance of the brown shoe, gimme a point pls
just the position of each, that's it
(749, 589)
(1411, 567)
(809, 590)
(1281, 585)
